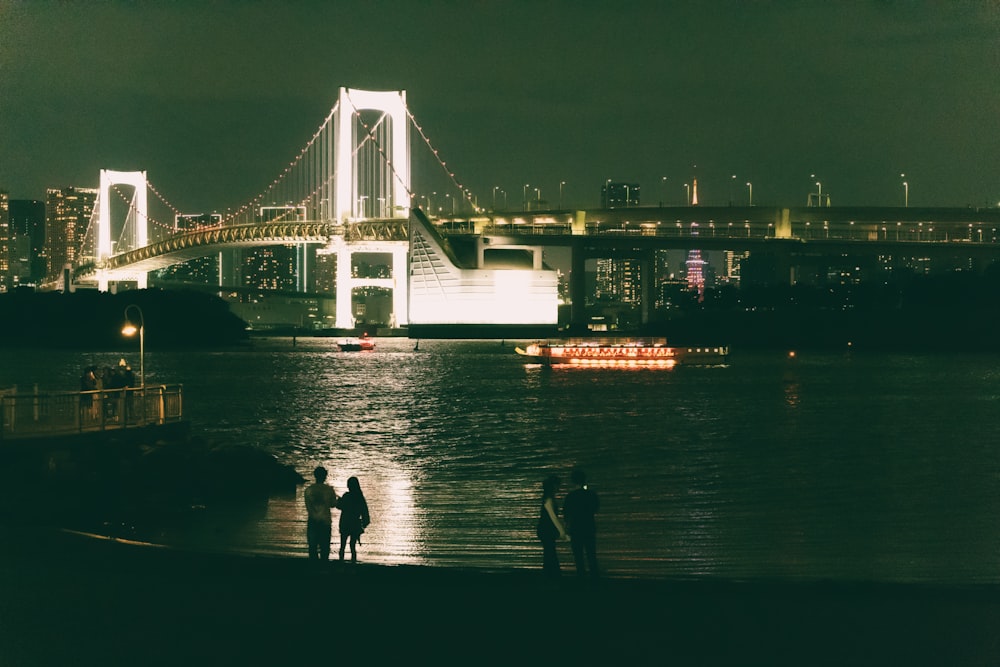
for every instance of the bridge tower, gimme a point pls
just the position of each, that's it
(136, 223)
(348, 197)
(391, 185)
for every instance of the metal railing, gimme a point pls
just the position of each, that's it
(39, 414)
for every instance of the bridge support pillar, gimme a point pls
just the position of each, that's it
(401, 286)
(577, 287)
(399, 283)
(783, 224)
(345, 288)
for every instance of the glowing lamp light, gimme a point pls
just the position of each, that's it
(130, 329)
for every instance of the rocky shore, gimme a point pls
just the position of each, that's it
(131, 477)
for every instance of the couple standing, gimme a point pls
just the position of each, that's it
(580, 527)
(320, 499)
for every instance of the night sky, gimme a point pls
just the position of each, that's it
(214, 98)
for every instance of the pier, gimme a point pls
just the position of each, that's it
(36, 414)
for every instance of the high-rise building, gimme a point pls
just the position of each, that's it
(67, 216)
(619, 195)
(278, 267)
(325, 273)
(27, 234)
(618, 280)
(733, 261)
(661, 275)
(6, 244)
(605, 287)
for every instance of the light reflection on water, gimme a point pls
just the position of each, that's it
(825, 466)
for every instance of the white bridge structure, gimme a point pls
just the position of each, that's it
(348, 191)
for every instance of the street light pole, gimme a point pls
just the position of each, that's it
(750, 187)
(129, 330)
(561, 184)
(906, 192)
(687, 190)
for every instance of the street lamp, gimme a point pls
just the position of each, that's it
(495, 188)
(750, 187)
(906, 192)
(561, 184)
(663, 196)
(819, 192)
(687, 189)
(129, 330)
(524, 196)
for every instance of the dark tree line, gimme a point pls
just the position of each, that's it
(957, 311)
(94, 320)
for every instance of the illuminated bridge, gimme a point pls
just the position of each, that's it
(349, 190)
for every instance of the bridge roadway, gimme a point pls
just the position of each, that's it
(198, 243)
(609, 232)
(805, 224)
(789, 232)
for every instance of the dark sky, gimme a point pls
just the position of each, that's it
(214, 98)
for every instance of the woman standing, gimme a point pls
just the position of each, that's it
(550, 528)
(353, 517)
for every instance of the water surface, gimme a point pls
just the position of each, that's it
(844, 466)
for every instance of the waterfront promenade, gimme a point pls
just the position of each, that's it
(75, 600)
(37, 415)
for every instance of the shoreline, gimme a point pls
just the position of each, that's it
(71, 598)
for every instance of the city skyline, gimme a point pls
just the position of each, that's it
(872, 102)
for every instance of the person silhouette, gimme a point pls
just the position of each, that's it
(579, 508)
(354, 517)
(89, 383)
(550, 528)
(320, 498)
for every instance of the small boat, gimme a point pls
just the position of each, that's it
(363, 344)
(621, 353)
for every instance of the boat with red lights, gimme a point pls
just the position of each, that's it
(363, 344)
(621, 353)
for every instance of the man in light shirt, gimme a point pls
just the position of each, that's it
(320, 498)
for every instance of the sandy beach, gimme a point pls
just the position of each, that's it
(71, 599)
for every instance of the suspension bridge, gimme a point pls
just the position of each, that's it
(349, 190)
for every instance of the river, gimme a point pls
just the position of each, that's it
(824, 466)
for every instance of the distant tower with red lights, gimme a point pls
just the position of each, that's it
(695, 267)
(694, 264)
